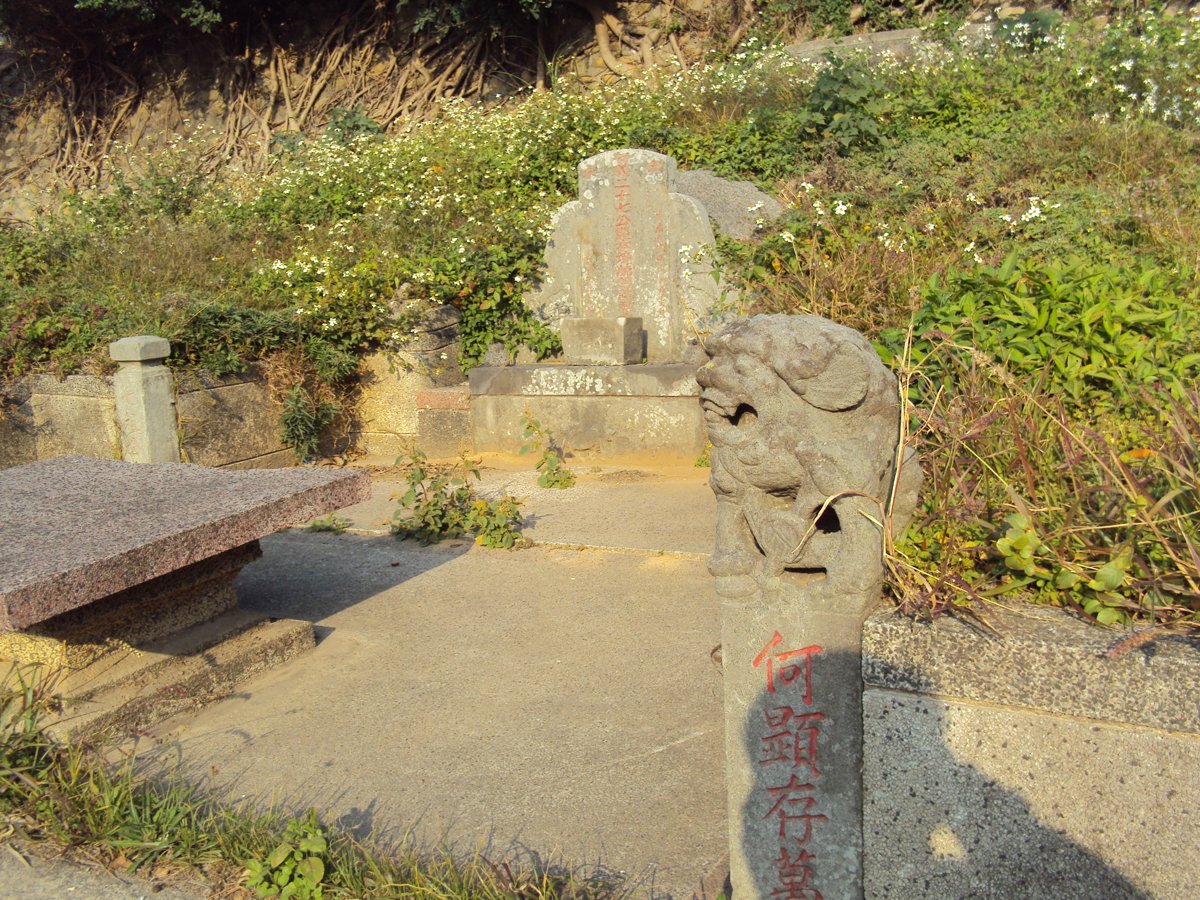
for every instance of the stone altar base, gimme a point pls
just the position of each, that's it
(139, 615)
(137, 657)
(117, 580)
(618, 414)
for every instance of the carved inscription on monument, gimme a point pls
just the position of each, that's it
(789, 757)
(624, 240)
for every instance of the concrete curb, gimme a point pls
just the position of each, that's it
(1039, 659)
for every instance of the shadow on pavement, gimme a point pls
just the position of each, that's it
(314, 576)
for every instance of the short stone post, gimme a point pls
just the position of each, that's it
(145, 399)
(803, 418)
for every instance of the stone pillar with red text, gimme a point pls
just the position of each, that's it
(808, 472)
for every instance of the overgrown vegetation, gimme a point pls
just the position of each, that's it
(1057, 405)
(71, 796)
(1029, 207)
(332, 523)
(440, 502)
(552, 472)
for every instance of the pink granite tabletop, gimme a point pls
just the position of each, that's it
(74, 529)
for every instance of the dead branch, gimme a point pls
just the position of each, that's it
(748, 17)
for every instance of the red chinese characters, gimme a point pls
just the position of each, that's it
(791, 738)
(789, 671)
(789, 751)
(623, 267)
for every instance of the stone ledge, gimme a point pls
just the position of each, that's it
(655, 380)
(444, 433)
(181, 673)
(193, 380)
(1042, 659)
(70, 386)
(276, 459)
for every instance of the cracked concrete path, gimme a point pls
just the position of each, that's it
(559, 702)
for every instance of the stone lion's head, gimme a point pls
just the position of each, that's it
(799, 410)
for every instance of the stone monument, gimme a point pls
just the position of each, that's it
(804, 423)
(631, 247)
(629, 286)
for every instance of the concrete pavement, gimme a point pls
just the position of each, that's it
(559, 703)
(33, 873)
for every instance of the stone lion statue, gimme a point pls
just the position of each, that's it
(804, 419)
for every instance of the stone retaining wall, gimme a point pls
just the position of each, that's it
(46, 416)
(1028, 762)
(233, 421)
(222, 422)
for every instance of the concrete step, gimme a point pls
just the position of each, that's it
(132, 689)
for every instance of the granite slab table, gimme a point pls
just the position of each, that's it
(95, 552)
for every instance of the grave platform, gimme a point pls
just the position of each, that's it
(626, 414)
(115, 576)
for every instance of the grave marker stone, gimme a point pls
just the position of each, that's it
(803, 418)
(631, 247)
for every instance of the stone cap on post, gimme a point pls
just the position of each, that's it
(140, 348)
(144, 392)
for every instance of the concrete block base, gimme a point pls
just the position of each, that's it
(643, 413)
(962, 800)
(380, 448)
(444, 433)
(444, 422)
(1028, 761)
